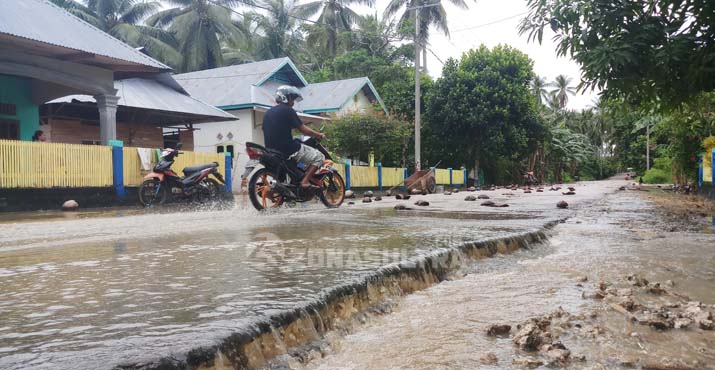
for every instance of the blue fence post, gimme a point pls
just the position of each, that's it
(451, 183)
(228, 179)
(379, 176)
(464, 172)
(118, 167)
(700, 171)
(347, 174)
(407, 174)
(712, 168)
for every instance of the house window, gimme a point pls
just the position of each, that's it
(219, 149)
(229, 148)
(8, 109)
(9, 129)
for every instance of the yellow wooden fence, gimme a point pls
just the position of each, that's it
(707, 167)
(48, 165)
(392, 176)
(457, 177)
(134, 175)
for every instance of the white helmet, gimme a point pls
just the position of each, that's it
(286, 93)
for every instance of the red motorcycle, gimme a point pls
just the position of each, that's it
(195, 185)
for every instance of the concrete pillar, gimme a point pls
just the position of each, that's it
(107, 106)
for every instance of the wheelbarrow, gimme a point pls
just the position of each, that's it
(421, 181)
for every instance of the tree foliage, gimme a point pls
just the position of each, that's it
(641, 50)
(358, 135)
(482, 106)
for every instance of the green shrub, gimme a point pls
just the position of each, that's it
(657, 176)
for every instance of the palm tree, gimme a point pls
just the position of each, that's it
(538, 88)
(200, 26)
(432, 16)
(279, 30)
(563, 89)
(335, 16)
(121, 19)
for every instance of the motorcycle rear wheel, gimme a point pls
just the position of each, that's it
(260, 192)
(152, 193)
(208, 192)
(333, 193)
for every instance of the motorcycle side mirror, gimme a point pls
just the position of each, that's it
(178, 146)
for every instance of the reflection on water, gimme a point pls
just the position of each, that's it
(443, 327)
(100, 291)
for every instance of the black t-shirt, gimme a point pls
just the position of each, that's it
(277, 125)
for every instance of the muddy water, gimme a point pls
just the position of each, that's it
(99, 291)
(443, 327)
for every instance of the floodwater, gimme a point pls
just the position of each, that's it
(105, 288)
(443, 327)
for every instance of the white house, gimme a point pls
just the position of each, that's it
(246, 91)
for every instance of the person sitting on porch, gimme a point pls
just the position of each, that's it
(277, 125)
(39, 136)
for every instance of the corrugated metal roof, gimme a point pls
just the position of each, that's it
(333, 94)
(150, 94)
(230, 85)
(42, 21)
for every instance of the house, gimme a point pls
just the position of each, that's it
(47, 54)
(247, 91)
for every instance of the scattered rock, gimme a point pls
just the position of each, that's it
(447, 193)
(682, 322)
(351, 203)
(529, 337)
(349, 194)
(670, 283)
(489, 359)
(401, 207)
(527, 191)
(571, 188)
(637, 280)
(402, 196)
(498, 329)
(568, 193)
(416, 191)
(422, 203)
(378, 198)
(598, 294)
(488, 203)
(557, 353)
(70, 205)
(582, 279)
(367, 200)
(482, 196)
(539, 190)
(622, 188)
(471, 188)
(470, 198)
(388, 193)
(562, 204)
(455, 191)
(527, 362)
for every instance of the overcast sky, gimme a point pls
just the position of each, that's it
(481, 16)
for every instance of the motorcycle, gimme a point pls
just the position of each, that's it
(196, 183)
(275, 179)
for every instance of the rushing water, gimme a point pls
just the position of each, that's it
(443, 327)
(103, 289)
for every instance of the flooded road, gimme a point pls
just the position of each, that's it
(443, 327)
(100, 290)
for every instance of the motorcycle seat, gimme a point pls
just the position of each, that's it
(193, 169)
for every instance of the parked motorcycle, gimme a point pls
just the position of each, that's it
(195, 185)
(275, 180)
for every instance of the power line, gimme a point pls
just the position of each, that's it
(490, 23)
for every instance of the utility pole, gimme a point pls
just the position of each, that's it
(417, 91)
(647, 147)
(417, 81)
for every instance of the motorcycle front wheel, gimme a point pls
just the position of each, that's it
(260, 192)
(333, 193)
(152, 193)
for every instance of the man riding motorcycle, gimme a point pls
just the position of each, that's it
(278, 123)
